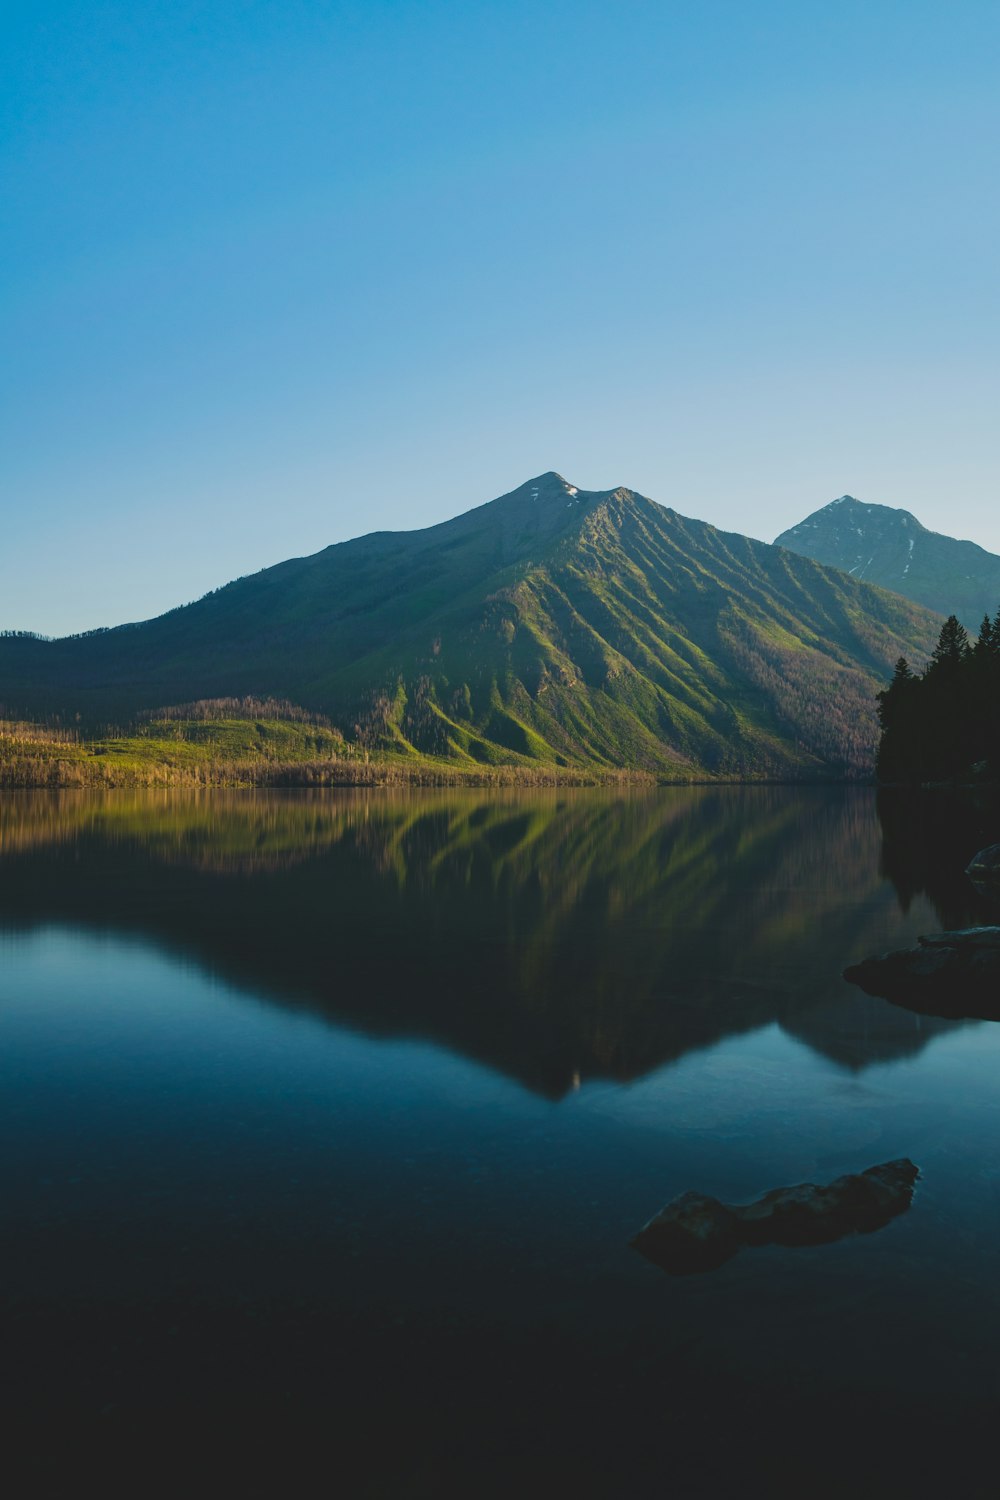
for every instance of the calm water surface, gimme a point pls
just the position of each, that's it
(333, 1115)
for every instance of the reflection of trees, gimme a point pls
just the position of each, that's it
(547, 933)
(928, 839)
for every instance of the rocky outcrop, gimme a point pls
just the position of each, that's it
(984, 867)
(695, 1232)
(951, 974)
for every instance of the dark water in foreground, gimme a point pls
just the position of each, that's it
(329, 1118)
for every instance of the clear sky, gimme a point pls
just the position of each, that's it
(276, 274)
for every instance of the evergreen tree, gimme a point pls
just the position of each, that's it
(984, 641)
(899, 752)
(952, 647)
(945, 724)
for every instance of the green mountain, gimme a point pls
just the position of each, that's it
(553, 626)
(891, 548)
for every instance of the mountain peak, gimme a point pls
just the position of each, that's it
(550, 482)
(888, 546)
(552, 627)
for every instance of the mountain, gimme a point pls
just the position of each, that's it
(891, 548)
(551, 626)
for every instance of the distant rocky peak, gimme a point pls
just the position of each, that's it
(855, 514)
(884, 545)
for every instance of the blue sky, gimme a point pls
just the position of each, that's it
(277, 274)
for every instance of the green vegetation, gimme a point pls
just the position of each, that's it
(944, 725)
(552, 634)
(203, 744)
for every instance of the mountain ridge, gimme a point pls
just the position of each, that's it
(551, 625)
(889, 547)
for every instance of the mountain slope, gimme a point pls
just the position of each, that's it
(550, 626)
(890, 548)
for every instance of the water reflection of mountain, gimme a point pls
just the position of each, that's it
(550, 935)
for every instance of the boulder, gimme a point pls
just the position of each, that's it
(695, 1232)
(951, 974)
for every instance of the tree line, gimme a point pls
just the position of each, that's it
(944, 724)
(249, 708)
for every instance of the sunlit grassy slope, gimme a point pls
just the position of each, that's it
(245, 751)
(550, 628)
(171, 751)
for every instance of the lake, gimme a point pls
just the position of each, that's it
(330, 1117)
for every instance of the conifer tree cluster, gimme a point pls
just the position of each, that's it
(944, 724)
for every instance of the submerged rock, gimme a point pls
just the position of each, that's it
(952, 974)
(693, 1233)
(698, 1233)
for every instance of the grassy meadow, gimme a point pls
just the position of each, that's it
(245, 749)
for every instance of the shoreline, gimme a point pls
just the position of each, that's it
(347, 775)
(253, 752)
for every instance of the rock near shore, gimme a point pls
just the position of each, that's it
(950, 974)
(695, 1232)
